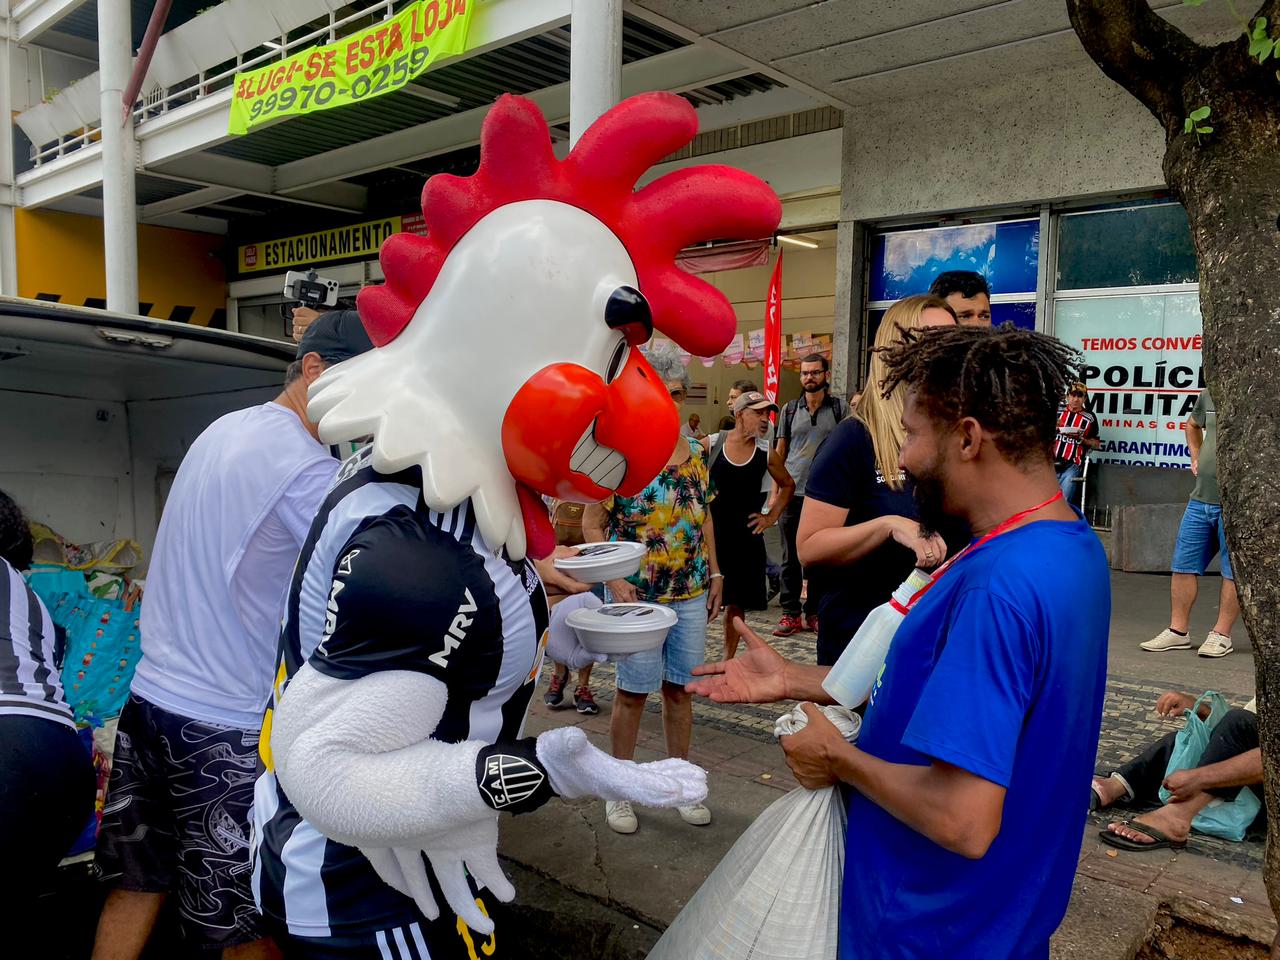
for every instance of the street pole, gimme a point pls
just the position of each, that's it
(595, 62)
(8, 193)
(119, 188)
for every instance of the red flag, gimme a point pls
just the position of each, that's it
(773, 335)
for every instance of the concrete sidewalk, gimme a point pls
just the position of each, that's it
(651, 874)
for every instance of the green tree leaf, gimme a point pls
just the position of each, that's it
(1204, 129)
(1201, 113)
(1188, 125)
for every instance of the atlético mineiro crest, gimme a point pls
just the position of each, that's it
(508, 780)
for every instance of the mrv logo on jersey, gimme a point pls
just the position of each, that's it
(457, 630)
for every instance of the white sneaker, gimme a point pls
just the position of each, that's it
(695, 814)
(1165, 640)
(1215, 645)
(620, 817)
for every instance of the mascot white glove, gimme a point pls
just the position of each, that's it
(390, 790)
(578, 769)
(470, 848)
(562, 642)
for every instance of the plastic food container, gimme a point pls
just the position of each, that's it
(598, 562)
(618, 629)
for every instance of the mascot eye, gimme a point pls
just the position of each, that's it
(628, 312)
(617, 361)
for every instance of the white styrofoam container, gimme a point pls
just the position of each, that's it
(598, 562)
(619, 629)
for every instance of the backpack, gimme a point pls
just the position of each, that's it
(793, 407)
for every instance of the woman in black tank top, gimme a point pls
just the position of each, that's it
(738, 463)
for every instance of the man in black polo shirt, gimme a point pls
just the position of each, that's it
(805, 423)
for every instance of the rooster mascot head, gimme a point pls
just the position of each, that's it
(507, 362)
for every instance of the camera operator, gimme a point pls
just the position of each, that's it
(303, 315)
(307, 296)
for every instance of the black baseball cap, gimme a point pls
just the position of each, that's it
(336, 335)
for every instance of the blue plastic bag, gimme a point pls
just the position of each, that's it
(1226, 819)
(102, 642)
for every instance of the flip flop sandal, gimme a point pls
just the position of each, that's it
(1159, 840)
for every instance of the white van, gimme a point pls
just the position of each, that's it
(97, 409)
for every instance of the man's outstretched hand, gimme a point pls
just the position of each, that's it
(756, 675)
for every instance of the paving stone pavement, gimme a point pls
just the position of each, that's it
(1129, 722)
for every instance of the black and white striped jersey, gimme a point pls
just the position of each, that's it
(379, 585)
(30, 684)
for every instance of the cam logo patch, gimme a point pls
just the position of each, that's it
(509, 780)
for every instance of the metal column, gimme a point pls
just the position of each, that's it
(848, 348)
(119, 188)
(595, 62)
(8, 195)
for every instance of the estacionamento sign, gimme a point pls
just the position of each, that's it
(356, 240)
(377, 60)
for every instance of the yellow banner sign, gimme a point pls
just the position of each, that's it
(357, 240)
(377, 60)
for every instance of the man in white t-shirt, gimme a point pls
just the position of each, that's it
(177, 812)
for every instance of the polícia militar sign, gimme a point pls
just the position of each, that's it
(1144, 367)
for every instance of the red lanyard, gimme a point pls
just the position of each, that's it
(995, 532)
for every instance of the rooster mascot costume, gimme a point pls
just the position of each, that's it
(506, 368)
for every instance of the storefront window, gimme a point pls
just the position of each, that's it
(906, 262)
(1021, 314)
(1142, 345)
(1134, 246)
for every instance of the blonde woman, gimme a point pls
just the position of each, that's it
(859, 536)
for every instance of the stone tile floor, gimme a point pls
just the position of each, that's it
(1128, 723)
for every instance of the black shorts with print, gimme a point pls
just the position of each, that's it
(177, 820)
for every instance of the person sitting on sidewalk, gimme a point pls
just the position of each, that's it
(1201, 536)
(1231, 760)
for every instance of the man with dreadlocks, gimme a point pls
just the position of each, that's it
(965, 817)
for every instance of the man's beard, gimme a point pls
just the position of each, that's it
(930, 497)
(814, 388)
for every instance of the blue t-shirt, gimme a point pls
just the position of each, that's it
(999, 669)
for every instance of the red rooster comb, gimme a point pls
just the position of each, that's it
(655, 223)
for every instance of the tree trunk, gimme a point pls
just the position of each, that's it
(1229, 182)
(1230, 186)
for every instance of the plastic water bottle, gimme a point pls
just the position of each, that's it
(853, 675)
